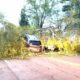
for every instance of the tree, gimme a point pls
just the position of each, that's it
(23, 20)
(72, 13)
(3, 21)
(39, 11)
(1, 18)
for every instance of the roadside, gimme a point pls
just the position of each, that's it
(73, 59)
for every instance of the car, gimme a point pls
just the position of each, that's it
(33, 43)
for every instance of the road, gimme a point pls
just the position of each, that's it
(40, 68)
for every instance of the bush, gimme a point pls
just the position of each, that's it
(77, 49)
(65, 45)
(11, 43)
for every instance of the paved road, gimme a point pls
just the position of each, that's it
(40, 68)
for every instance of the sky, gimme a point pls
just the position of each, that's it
(11, 10)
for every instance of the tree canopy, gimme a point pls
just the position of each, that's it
(39, 10)
(1, 18)
(24, 20)
(72, 13)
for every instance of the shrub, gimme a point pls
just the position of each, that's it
(65, 45)
(11, 43)
(77, 49)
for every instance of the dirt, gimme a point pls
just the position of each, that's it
(41, 68)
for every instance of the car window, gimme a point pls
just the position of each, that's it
(35, 42)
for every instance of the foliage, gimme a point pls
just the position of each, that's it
(28, 30)
(65, 45)
(2, 18)
(24, 18)
(11, 44)
(72, 13)
(39, 10)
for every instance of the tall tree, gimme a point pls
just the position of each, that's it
(72, 10)
(39, 11)
(24, 19)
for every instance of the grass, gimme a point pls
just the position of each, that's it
(29, 54)
(58, 54)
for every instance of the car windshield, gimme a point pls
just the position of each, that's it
(35, 42)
